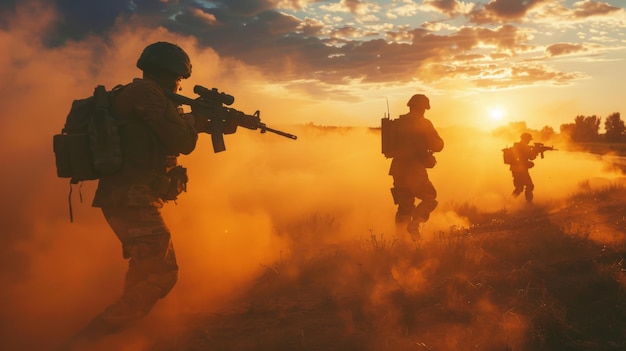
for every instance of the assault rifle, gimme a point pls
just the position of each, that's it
(210, 103)
(539, 148)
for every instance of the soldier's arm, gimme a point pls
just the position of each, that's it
(176, 133)
(435, 142)
(531, 153)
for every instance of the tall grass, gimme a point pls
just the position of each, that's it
(512, 281)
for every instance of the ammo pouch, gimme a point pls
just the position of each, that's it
(169, 186)
(429, 160)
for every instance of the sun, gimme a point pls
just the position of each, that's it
(497, 114)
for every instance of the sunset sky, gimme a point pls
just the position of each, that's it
(330, 63)
(482, 63)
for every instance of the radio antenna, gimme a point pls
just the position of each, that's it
(388, 113)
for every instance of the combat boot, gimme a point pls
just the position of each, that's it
(415, 228)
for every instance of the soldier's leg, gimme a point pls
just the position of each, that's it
(427, 194)
(152, 270)
(406, 203)
(528, 193)
(518, 183)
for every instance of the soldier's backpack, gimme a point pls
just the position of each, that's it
(508, 156)
(89, 144)
(389, 136)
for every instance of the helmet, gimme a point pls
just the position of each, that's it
(164, 56)
(419, 100)
(526, 136)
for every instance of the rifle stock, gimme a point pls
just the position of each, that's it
(211, 105)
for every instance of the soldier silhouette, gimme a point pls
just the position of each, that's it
(154, 134)
(411, 141)
(521, 162)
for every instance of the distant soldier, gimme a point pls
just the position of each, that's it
(411, 140)
(521, 162)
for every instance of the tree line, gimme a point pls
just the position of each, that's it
(585, 129)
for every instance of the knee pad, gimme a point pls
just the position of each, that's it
(401, 196)
(428, 205)
(423, 210)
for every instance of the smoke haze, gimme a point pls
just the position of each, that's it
(242, 205)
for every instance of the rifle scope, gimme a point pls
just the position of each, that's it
(214, 95)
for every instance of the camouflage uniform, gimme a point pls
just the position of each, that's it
(417, 139)
(523, 154)
(153, 134)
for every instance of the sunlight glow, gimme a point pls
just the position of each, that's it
(497, 114)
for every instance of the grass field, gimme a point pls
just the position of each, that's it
(537, 279)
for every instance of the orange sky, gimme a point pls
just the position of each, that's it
(542, 62)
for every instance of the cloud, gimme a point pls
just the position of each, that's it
(346, 32)
(588, 8)
(404, 9)
(557, 15)
(323, 43)
(530, 75)
(356, 7)
(294, 4)
(246, 8)
(564, 49)
(451, 8)
(310, 27)
(98, 16)
(352, 5)
(203, 17)
(488, 77)
(498, 11)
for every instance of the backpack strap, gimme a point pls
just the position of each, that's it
(69, 202)
(69, 197)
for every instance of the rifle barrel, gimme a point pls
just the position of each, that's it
(183, 100)
(275, 131)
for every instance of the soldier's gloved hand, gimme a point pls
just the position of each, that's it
(229, 127)
(200, 123)
(203, 125)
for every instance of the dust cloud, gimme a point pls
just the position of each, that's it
(245, 208)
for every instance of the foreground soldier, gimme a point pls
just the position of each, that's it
(523, 154)
(153, 134)
(415, 141)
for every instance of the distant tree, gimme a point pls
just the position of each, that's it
(587, 128)
(614, 127)
(584, 129)
(546, 133)
(567, 130)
